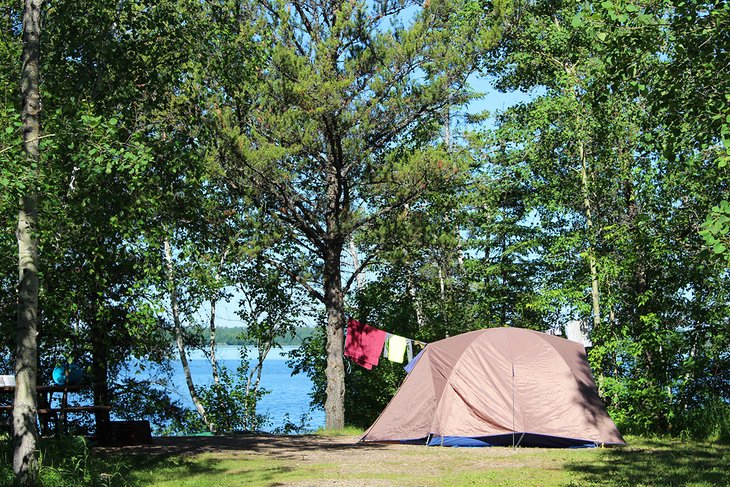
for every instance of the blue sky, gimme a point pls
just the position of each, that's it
(493, 100)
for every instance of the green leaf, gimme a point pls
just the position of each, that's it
(9, 130)
(719, 248)
(601, 36)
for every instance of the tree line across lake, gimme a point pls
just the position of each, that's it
(305, 160)
(237, 336)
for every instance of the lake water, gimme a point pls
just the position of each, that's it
(289, 395)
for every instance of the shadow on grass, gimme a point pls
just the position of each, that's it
(184, 470)
(278, 445)
(179, 460)
(658, 462)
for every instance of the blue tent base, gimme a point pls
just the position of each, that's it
(518, 439)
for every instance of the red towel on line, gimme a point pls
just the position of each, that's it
(363, 343)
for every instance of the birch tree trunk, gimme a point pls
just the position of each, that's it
(417, 303)
(585, 193)
(355, 263)
(172, 287)
(591, 244)
(212, 336)
(26, 365)
(212, 342)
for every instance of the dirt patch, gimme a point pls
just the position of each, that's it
(267, 460)
(343, 456)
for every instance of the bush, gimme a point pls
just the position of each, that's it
(230, 405)
(709, 422)
(64, 461)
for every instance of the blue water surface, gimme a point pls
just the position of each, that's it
(288, 398)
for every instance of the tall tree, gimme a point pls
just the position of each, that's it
(687, 131)
(614, 209)
(120, 143)
(11, 151)
(686, 90)
(26, 368)
(337, 131)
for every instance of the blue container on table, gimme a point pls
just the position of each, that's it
(68, 375)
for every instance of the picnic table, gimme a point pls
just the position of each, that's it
(47, 413)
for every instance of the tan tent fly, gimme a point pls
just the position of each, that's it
(498, 386)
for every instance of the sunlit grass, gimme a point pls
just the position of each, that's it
(346, 431)
(216, 470)
(645, 462)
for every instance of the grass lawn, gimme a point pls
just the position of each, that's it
(338, 461)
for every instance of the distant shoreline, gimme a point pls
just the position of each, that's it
(226, 352)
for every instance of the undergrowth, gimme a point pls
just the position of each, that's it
(65, 461)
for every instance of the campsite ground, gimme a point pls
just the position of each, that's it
(319, 460)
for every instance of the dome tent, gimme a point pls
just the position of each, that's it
(499, 386)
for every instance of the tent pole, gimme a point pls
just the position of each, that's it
(513, 405)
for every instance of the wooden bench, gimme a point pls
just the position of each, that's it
(84, 409)
(57, 416)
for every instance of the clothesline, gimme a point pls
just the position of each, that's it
(364, 344)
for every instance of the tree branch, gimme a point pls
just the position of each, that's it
(366, 261)
(303, 282)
